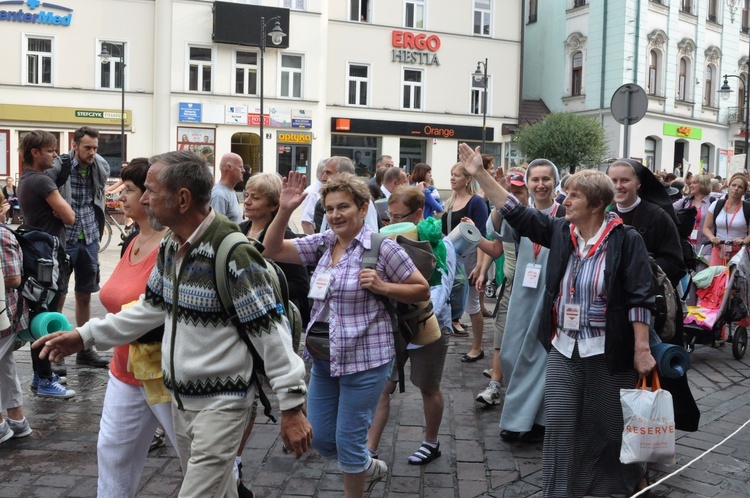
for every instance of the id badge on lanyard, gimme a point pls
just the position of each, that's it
(531, 275)
(320, 285)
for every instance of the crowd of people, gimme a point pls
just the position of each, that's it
(574, 307)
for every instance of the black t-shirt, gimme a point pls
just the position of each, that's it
(33, 190)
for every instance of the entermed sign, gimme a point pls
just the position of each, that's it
(39, 17)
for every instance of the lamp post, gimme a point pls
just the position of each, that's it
(276, 34)
(725, 93)
(105, 56)
(482, 76)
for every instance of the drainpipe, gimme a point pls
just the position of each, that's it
(604, 63)
(636, 60)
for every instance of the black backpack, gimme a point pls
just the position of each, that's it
(720, 205)
(45, 269)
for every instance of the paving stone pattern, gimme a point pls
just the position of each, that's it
(59, 458)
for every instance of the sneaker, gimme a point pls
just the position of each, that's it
(158, 441)
(55, 378)
(373, 475)
(49, 389)
(59, 368)
(490, 396)
(487, 372)
(20, 428)
(91, 358)
(5, 432)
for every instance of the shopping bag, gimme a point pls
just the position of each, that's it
(649, 431)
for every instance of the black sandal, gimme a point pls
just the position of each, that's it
(425, 454)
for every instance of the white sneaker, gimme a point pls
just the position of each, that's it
(373, 475)
(20, 428)
(6, 432)
(490, 396)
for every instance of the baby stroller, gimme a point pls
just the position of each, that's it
(717, 313)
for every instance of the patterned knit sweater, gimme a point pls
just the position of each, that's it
(206, 364)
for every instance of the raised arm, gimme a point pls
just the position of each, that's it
(292, 195)
(472, 161)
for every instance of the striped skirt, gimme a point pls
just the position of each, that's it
(584, 429)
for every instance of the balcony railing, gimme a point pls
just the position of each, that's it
(736, 115)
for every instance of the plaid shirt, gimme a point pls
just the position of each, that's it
(82, 193)
(361, 333)
(11, 259)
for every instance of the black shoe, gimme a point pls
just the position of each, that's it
(59, 368)
(535, 435)
(91, 358)
(243, 492)
(509, 436)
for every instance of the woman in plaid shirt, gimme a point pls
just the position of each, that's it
(345, 387)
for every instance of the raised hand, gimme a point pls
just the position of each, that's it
(293, 191)
(470, 158)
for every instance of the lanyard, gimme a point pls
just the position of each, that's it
(538, 247)
(579, 257)
(729, 222)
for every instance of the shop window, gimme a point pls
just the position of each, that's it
(199, 69)
(245, 73)
(291, 76)
(38, 61)
(412, 89)
(358, 83)
(483, 17)
(110, 72)
(414, 14)
(359, 11)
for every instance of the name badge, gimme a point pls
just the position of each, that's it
(572, 317)
(531, 275)
(694, 235)
(319, 286)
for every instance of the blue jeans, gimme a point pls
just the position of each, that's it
(459, 293)
(341, 409)
(84, 261)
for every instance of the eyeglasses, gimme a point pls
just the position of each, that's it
(399, 217)
(128, 191)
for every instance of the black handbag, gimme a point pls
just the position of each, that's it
(317, 341)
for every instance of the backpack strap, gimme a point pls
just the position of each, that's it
(719, 206)
(228, 244)
(370, 261)
(746, 211)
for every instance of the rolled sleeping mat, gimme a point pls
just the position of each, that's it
(43, 324)
(465, 238)
(408, 230)
(671, 360)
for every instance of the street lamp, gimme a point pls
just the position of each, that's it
(480, 76)
(105, 56)
(276, 34)
(725, 91)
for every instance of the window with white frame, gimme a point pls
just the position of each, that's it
(111, 71)
(199, 68)
(358, 84)
(576, 74)
(245, 72)
(38, 60)
(414, 14)
(713, 11)
(686, 6)
(653, 73)
(294, 4)
(478, 96)
(291, 76)
(359, 11)
(483, 17)
(413, 80)
(709, 80)
(682, 78)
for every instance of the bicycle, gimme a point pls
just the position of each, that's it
(109, 222)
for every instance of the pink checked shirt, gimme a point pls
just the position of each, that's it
(360, 328)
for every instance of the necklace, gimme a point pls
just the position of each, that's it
(140, 242)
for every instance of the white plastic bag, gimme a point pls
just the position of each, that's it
(649, 432)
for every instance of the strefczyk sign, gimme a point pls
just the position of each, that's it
(415, 48)
(13, 11)
(44, 114)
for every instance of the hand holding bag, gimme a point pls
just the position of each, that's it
(649, 431)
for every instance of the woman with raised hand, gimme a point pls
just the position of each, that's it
(346, 381)
(600, 295)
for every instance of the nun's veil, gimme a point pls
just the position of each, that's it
(651, 188)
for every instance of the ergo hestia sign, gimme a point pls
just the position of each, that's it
(415, 48)
(35, 17)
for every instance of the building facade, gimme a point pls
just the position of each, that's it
(358, 78)
(579, 52)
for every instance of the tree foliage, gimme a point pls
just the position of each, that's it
(568, 140)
